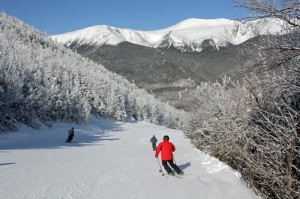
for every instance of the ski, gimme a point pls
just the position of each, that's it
(175, 175)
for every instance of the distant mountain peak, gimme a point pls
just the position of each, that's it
(192, 22)
(187, 35)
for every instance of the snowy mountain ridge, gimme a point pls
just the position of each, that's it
(187, 35)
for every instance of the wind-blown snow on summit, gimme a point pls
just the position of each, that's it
(186, 35)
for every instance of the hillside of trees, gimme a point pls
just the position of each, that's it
(168, 73)
(254, 124)
(43, 82)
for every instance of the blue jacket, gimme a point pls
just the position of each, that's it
(153, 140)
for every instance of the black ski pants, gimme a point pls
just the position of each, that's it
(171, 163)
(70, 138)
(154, 146)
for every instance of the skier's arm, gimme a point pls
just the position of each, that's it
(158, 150)
(173, 148)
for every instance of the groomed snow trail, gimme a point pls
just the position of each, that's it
(110, 160)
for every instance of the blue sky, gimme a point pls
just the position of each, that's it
(60, 16)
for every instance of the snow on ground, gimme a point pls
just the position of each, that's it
(110, 160)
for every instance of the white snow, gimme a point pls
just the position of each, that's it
(110, 160)
(190, 32)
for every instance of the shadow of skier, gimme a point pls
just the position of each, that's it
(184, 166)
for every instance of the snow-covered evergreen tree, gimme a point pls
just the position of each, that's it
(41, 80)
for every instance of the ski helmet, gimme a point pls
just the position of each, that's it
(166, 137)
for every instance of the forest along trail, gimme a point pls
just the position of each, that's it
(108, 159)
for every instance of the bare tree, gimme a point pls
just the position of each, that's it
(271, 141)
(272, 52)
(254, 126)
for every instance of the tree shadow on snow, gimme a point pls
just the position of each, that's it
(184, 166)
(55, 137)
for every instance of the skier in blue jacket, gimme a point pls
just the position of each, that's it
(153, 140)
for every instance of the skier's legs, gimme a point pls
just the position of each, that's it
(154, 147)
(69, 139)
(174, 166)
(166, 166)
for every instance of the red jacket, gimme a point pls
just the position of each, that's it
(166, 149)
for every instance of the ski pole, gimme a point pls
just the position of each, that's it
(160, 170)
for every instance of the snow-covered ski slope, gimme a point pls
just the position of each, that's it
(110, 160)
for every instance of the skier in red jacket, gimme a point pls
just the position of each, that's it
(167, 148)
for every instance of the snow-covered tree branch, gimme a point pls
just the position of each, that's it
(254, 125)
(41, 80)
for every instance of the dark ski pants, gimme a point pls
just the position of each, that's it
(69, 139)
(154, 147)
(171, 163)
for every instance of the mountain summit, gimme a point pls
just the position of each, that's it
(188, 35)
(168, 62)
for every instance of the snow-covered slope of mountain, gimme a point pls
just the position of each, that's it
(186, 35)
(109, 160)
